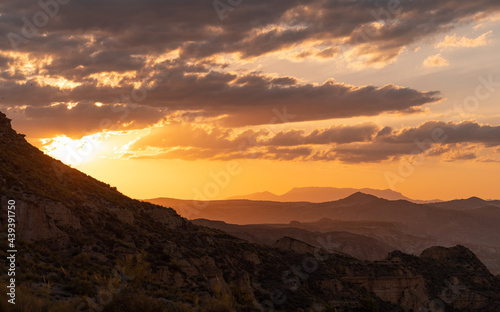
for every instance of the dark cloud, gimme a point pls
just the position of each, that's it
(251, 99)
(334, 134)
(467, 131)
(366, 152)
(256, 99)
(285, 81)
(328, 52)
(432, 138)
(83, 119)
(4, 61)
(149, 26)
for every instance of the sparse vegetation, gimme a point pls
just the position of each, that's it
(26, 301)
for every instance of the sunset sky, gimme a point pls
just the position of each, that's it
(222, 98)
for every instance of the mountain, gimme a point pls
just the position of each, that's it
(82, 245)
(419, 226)
(467, 204)
(325, 194)
(358, 198)
(267, 196)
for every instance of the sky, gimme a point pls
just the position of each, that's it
(206, 99)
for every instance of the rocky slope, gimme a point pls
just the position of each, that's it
(359, 246)
(83, 244)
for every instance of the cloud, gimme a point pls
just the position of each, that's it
(99, 51)
(326, 53)
(83, 119)
(237, 99)
(256, 28)
(192, 142)
(350, 144)
(487, 160)
(485, 19)
(436, 61)
(467, 131)
(462, 153)
(433, 138)
(186, 135)
(337, 134)
(364, 152)
(464, 42)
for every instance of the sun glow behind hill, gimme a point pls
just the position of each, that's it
(88, 149)
(73, 151)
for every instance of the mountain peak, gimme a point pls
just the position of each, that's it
(4, 123)
(474, 198)
(258, 196)
(359, 198)
(7, 134)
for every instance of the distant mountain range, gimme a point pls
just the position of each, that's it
(401, 224)
(325, 194)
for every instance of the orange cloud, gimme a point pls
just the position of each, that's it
(327, 53)
(436, 61)
(464, 42)
(362, 143)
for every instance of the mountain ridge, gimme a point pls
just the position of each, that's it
(475, 228)
(467, 203)
(325, 194)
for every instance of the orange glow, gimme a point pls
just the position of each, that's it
(73, 152)
(89, 149)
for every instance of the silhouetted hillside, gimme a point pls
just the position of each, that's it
(467, 204)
